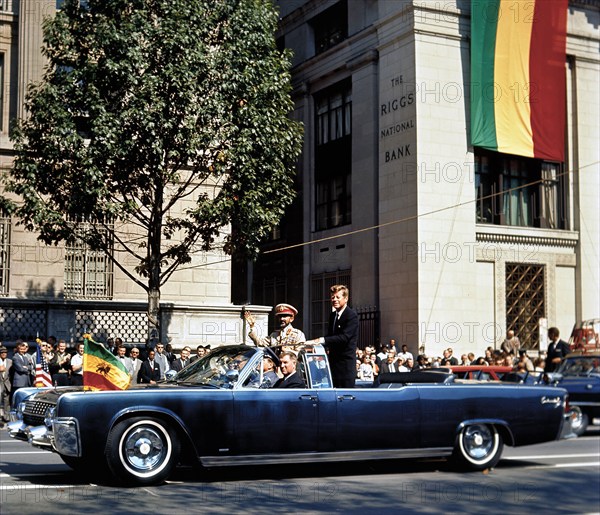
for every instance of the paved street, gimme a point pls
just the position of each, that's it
(558, 477)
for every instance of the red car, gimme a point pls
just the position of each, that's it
(481, 372)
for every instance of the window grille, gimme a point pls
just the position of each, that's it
(525, 301)
(88, 272)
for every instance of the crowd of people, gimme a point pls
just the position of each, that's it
(391, 358)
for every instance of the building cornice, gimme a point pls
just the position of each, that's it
(526, 236)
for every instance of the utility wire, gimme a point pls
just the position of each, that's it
(414, 217)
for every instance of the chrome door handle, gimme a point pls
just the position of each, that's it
(346, 397)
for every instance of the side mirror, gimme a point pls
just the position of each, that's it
(232, 375)
(170, 375)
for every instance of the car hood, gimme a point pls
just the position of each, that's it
(51, 395)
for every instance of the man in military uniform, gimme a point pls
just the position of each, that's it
(286, 335)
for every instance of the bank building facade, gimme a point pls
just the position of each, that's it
(443, 243)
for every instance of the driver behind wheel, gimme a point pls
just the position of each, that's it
(291, 378)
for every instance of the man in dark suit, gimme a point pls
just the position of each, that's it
(5, 386)
(149, 371)
(557, 350)
(23, 368)
(341, 339)
(182, 361)
(389, 365)
(291, 378)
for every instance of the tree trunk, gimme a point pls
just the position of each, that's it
(153, 317)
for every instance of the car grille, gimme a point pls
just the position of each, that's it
(35, 412)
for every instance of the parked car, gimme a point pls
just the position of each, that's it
(220, 411)
(579, 374)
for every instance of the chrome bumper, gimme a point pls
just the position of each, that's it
(40, 436)
(62, 438)
(567, 428)
(17, 430)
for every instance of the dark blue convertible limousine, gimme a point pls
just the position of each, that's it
(220, 411)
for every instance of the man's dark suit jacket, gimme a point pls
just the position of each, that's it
(385, 368)
(292, 381)
(177, 365)
(341, 343)
(560, 350)
(147, 373)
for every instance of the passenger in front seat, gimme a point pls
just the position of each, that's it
(291, 378)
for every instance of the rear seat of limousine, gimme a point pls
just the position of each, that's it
(400, 379)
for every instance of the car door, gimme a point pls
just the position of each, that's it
(377, 418)
(268, 421)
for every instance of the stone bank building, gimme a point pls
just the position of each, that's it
(441, 243)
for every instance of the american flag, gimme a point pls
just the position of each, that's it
(42, 372)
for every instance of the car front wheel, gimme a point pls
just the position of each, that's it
(478, 447)
(142, 451)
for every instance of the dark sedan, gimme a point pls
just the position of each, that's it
(579, 374)
(221, 411)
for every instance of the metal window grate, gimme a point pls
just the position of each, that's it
(131, 326)
(525, 302)
(22, 323)
(88, 273)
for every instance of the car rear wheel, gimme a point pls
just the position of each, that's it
(579, 421)
(478, 447)
(142, 451)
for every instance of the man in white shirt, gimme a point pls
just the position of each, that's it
(77, 366)
(405, 354)
(133, 364)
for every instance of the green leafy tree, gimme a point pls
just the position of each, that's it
(166, 117)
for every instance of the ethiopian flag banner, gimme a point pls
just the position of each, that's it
(518, 76)
(101, 369)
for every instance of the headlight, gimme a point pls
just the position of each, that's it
(49, 416)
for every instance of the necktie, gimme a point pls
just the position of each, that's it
(335, 319)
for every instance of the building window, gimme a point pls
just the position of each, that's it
(525, 302)
(4, 251)
(333, 157)
(88, 272)
(330, 27)
(320, 302)
(520, 191)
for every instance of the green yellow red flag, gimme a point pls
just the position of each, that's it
(101, 369)
(518, 76)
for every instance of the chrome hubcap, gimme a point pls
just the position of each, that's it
(144, 448)
(478, 441)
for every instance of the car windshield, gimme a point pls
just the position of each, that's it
(580, 366)
(212, 369)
